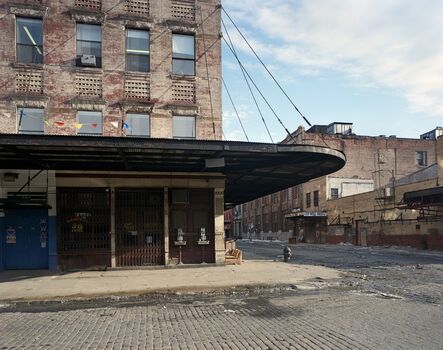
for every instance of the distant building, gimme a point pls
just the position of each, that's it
(373, 163)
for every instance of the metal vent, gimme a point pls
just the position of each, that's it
(29, 82)
(138, 7)
(88, 85)
(183, 10)
(137, 89)
(183, 92)
(89, 4)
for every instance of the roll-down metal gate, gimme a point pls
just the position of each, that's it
(139, 227)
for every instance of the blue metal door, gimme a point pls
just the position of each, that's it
(26, 235)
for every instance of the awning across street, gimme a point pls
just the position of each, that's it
(252, 170)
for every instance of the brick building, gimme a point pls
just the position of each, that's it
(110, 136)
(372, 163)
(129, 87)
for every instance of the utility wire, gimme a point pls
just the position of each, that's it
(264, 65)
(247, 82)
(259, 91)
(235, 109)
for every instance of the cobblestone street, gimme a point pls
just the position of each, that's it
(378, 306)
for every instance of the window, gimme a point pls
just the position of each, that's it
(29, 40)
(137, 50)
(90, 123)
(315, 198)
(31, 120)
(308, 200)
(421, 158)
(334, 193)
(183, 54)
(183, 127)
(89, 42)
(137, 125)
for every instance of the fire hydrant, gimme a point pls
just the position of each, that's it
(287, 253)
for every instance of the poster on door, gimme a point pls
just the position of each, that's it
(11, 237)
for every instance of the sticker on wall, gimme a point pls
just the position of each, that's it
(43, 232)
(11, 237)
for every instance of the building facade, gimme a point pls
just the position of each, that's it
(142, 69)
(373, 163)
(110, 136)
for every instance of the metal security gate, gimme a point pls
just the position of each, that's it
(84, 226)
(139, 227)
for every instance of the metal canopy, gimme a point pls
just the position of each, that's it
(252, 170)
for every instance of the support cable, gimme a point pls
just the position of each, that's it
(247, 83)
(235, 109)
(264, 65)
(207, 74)
(258, 89)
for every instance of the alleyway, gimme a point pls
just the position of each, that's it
(385, 299)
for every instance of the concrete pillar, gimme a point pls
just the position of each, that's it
(113, 255)
(166, 223)
(219, 225)
(52, 223)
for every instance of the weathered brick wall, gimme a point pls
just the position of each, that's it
(59, 94)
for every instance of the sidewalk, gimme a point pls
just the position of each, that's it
(39, 285)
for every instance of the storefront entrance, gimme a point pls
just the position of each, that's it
(190, 213)
(26, 239)
(139, 227)
(84, 228)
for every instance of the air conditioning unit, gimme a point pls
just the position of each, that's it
(89, 61)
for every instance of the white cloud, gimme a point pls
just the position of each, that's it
(394, 44)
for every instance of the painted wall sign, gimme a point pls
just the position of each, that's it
(11, 237)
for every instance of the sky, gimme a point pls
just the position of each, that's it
(375, 63)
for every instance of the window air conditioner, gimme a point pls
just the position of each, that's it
(89, 61)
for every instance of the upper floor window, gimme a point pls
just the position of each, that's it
(29, 40)
(183, 127)
(308, 200)
(183, 54)
(90, 123)
(137, 125)
(137, 50)
(315, 198)
(31, 120)
(421, 158)
(89, 45)
(334, 193)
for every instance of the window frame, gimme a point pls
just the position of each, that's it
(308, 199)
(423, 160)
(17, 18)
(184, 137)
(316, 198)
(99, 63)
(148, 117)
(90, 134)
(20, 120)
(148, 55)
(334, 196)
(184, 59)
